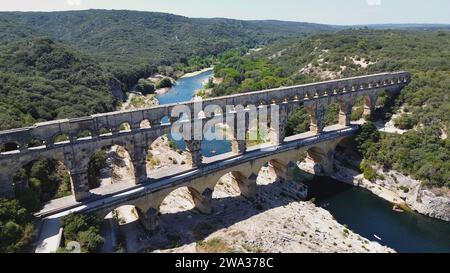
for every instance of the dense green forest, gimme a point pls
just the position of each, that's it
(424, 105)
(16, 226)
(133, 43)
(69, 64)
(43, 80)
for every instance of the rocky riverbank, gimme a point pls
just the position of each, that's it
(278, 220)
(402, 190)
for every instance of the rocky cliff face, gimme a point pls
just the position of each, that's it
(432, 202)
(116, 90)
(401, 189)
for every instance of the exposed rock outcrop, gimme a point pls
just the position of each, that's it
(433, 202)
(400, 189)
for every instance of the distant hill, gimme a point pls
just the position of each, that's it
(68, 64)
(128, 41)
(424, 27)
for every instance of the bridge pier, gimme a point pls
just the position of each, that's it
(345, 112)
(149, 218)
(193, 153)
(139, 158)
(247, 185)
(239, 137)
(369, 105)
(277, 129)
(317, 112)
(80, 184)
(202, 201)
(285, 172)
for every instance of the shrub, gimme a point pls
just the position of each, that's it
(164, 83)
(145, 87)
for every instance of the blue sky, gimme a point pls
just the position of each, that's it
(318, 11)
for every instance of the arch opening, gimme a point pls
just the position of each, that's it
(385, 105)
(179, 200)
(165, 155)
(267, 175)
(165, 121)
(61, 138)
(36, 143)
(314, 161)
(228, 185)
(109, 166)
(9, 147)
(85, 134)
(41, 181)
(217, 139)
(104, 131)
(124, 127)
(145, 124)
(117, 226)
(298, 122)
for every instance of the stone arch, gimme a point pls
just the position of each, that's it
(129, 212)
(37, 142)
(321, 160)
(235, 183)
(43, 177)
(61, 138)
(164, 153)
(145, 124)
(124, 127)
(298, 121)
(280, 169)
(84, 134)
(165, 120)
(111, 164)
(10, 146)
(186, 198)
(108, 213)
(265, 175)
(104, 131)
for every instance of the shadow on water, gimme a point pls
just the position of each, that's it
(370, 216)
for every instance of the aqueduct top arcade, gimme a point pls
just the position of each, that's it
(107, 129)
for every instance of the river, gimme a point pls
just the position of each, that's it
(363, 212)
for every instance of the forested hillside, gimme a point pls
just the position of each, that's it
(42, 80)
(68, 64)
(132, 43)
(424, 151)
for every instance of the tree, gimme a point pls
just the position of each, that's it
(84, 229)
(16, 228)
(164, 83)
(404, 122)
(367, 140)
(145, 87)
(90, 240)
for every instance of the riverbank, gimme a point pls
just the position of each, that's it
(196, 73)
(400, 190)
(136, 101)
(277, 220)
